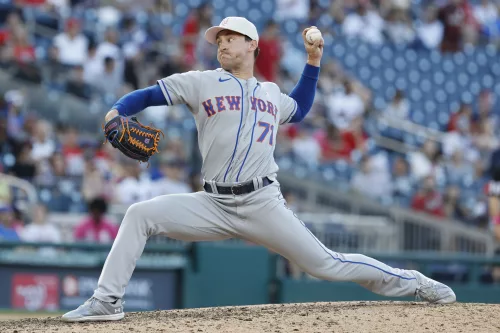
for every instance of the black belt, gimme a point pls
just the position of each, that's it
(238, 189)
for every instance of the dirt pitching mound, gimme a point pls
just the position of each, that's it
(341, 317)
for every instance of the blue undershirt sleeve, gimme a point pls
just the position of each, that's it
(304, 91)
(139, 100)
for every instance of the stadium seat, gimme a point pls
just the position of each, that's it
(495, 69)
(450, 87)
(459, 59)
(362, 51)
(487, 81)
(443, 118)
(386, 53)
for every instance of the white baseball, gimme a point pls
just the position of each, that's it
(313, 35)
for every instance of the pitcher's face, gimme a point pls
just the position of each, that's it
(232, 49)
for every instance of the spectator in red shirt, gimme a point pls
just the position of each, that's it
(21, 55)
(201, 17)
(22, 51)
(357, 134)
(12, 22)
(96, 228)
(73, 153)
(464, 113)
(460, 26)
(336, 144)
(485, 115)
(268, 62)
(428, 199)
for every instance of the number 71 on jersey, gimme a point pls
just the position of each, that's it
(267, 128)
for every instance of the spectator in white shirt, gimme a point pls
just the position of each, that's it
(108, 82)
(291, 9)
(460, 138)
(40, 231)
(422, 161)
(365, 24)
(401, 4)
(132, 38)
(398, 27)
(306, 148)
(487, 17)
(43, 144)
(486, 13)
(71, 46)
(174, 177)
(345, 106)
(399, 108)
(373, 179)
(93, 66)
(62, 7)
(457, 169)
(136, 186)
(109, 48)
(429, 30)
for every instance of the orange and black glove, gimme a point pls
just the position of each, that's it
(132, 138)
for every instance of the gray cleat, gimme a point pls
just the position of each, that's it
(96, 310)
(432, 291)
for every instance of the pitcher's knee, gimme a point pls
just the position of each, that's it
(324, 272)
(321, 274)
(135, 213)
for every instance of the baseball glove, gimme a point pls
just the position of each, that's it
(132, 138)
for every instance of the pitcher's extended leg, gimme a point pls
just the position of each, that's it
(188, 217)
(288, 236)
(277, 228)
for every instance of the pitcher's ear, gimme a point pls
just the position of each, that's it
(253, 45)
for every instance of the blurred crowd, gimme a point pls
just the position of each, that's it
(103, 49)
(100, 50)
(430, 179)
(76, 172)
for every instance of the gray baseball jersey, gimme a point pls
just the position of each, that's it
(237, 121)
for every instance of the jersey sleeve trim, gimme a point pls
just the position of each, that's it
(165, 92)
(291, 114)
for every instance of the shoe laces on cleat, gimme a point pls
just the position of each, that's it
(428, 291)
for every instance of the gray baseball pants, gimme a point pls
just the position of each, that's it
(261, 217)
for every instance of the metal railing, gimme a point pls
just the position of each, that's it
(405, 126)
(26, 187)
(353, 233)
(411, 127)
(89, 254)
(416, 231)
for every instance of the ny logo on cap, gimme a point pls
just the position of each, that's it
(224, 22)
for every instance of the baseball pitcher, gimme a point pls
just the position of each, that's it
(237, 118)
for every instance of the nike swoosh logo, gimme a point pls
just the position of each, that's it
(221, 80)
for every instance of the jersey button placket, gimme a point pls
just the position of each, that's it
(234, 165)
(242, 134)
